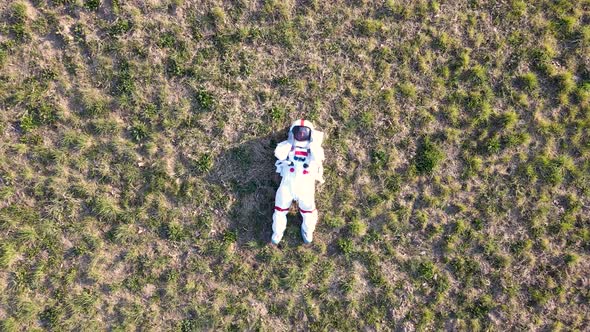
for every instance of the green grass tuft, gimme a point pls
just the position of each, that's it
(205, 101)
(92, 4)
(428, 156)
(137, 173)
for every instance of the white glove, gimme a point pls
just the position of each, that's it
(320, 176)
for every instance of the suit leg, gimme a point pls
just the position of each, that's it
(283, 200)
(309, 213)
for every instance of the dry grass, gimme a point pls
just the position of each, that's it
(137, 175)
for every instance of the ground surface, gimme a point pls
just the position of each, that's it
(137, 178)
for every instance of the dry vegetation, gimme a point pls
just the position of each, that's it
(137, 178)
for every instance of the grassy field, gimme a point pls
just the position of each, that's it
(137, 174)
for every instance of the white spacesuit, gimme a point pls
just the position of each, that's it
(300, 165)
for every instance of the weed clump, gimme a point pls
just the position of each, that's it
(529, 81)
(139, 132)
(203, 163)
(369, 27)
(120, 27)
(541, 59)
(565, 82)
(173, 67)
(18, 20)
(93, 105)
(346, 246)
(205, 101)
(482, 306)
(428, 156)
(175, 231)
(7, 255)
(407, 90)
(125, 84)
(92, 4)
(38, 114)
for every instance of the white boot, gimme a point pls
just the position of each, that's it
(279, 225)
(310, 218)
(307, 236)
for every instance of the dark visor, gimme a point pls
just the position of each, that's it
(301, 133)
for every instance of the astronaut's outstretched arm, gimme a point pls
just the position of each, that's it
(317, 152)
(282, 150)
(317, 156)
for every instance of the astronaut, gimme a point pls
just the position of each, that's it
(299, 162)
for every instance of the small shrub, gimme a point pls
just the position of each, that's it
(540, 296)
(379, 159)
(426, 270)
(44, 113)
(230, 236)
(27, 123)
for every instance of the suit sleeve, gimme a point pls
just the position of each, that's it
(282, 150)
(317, 153)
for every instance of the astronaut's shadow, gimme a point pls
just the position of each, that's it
(246, 172)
